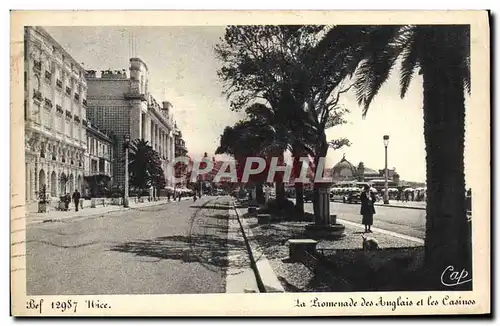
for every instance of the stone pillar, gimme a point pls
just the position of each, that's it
(172, 147)
(47, 179)
(157, 137)
(164, 146)
(151, 131)
(325, 226)
(323, 207)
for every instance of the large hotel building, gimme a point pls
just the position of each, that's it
(55, 93)
(63, 150)
(124, 105)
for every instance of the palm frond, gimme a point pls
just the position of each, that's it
(381, 54)
(409, 62)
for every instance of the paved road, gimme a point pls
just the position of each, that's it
(401, 220)
(170, 248)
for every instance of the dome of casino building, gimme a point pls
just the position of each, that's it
(344, 168)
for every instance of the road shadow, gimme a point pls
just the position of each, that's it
(208, 250)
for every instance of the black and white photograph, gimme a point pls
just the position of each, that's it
(322, 165)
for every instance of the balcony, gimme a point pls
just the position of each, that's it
(135, 96)
(68, 114)
(77, 118)
(84, 101)
(37, 95)
(59, 109)
(84, 122)
(59, 83)
(77, 97)
(68, 91)
(37, 66)
(48, 103)
(48, 76)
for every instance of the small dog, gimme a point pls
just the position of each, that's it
(370, 244)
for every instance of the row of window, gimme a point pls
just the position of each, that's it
(100, 166)
(48, 74)
(98, 148)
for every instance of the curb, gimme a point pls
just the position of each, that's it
(267, 281)
(120, 208)
(401, 206)
(48, 219)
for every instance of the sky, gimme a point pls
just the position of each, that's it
(183, 70)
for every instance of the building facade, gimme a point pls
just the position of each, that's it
(180, 150)
(55, 92)
(98, 156)
(124, 105)
(345, 171)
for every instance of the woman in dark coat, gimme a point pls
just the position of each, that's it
(367, 207)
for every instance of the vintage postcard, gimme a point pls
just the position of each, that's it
(238, 163)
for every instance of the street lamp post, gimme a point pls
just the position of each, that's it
(386, 186)
(125, 196)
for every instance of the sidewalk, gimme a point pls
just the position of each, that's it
(54, 215)
(269, 244)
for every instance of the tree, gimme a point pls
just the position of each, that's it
(158, 180)
(247, 138)
(98, 184)
(144, 165)
(441, 54)
(276, 65)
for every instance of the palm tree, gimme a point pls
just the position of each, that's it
(441, 54)
(143, 164)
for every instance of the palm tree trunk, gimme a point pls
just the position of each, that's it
(280, 185)
(259, 193)
(447, 241)
(299, 198)
(299, 187)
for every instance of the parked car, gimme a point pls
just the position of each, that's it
(352, 197)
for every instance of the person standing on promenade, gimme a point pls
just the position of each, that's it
(367, 207)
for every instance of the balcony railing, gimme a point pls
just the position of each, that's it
(59, 109)
(48, 75)
(48, 103)
(135, 96)
(37, 95)
(84, 122)
(68, 114)
(84, 101)
(77, 97)
(59, 83)
(37, 66)
(77, 118)
(68, 90)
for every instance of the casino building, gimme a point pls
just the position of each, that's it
(346, 172)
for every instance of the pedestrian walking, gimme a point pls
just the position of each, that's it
(76, 199)
(168, 196)
(367, 207)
